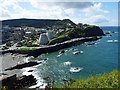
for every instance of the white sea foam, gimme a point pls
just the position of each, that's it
(115, 40)
(77, 52)
(26, 59)
(75, 69)
(110, 41)
(59, 55)
(81, 51)
(67, 63)
(116, 32)
(26, 71)
(40, 81)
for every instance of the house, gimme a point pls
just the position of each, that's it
(43, 40)
(50, 34)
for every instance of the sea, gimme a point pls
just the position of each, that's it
(96, 57)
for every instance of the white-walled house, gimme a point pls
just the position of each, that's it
(50, 35)
(41, 30)
(43, 40)
(28, 34)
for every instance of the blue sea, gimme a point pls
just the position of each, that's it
(100, 57)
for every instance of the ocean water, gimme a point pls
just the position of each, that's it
(98, 58)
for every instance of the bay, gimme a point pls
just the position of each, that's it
(98, 57)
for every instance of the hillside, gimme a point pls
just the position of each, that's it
(71, 30)
(39, 23)
(88, 31)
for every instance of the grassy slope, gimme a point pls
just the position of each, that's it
(107, 80)
(77, 33)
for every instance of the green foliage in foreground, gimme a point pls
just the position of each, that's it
(107, 80)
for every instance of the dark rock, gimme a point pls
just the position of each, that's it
(110, 34)
(62, 51)
(46, 59)
(20, 66)
(93, 31)
(65, 80)
(107, 33)
(3, 74)
(30, 70)
(90, 43)
(46, 78)
(113, 32)
(17, 83)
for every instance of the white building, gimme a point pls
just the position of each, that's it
(41, 30)
(43, 40)
(28, 34)
(50, 35)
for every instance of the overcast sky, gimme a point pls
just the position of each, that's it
(98, 13)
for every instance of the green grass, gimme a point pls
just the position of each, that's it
(28, 48)
(107, 80)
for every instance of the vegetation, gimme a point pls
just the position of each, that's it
(107, 80)
(39, 23)
(30, 42)
(87, 31)
(101, 81)
(28, 48)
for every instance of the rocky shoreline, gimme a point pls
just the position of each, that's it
(27, 81)
(16, 83)
(52, 48)
(20, 66)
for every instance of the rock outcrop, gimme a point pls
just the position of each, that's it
(20, 66)
(93, 31)
(17, 83)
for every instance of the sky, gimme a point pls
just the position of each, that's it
(94, 12)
